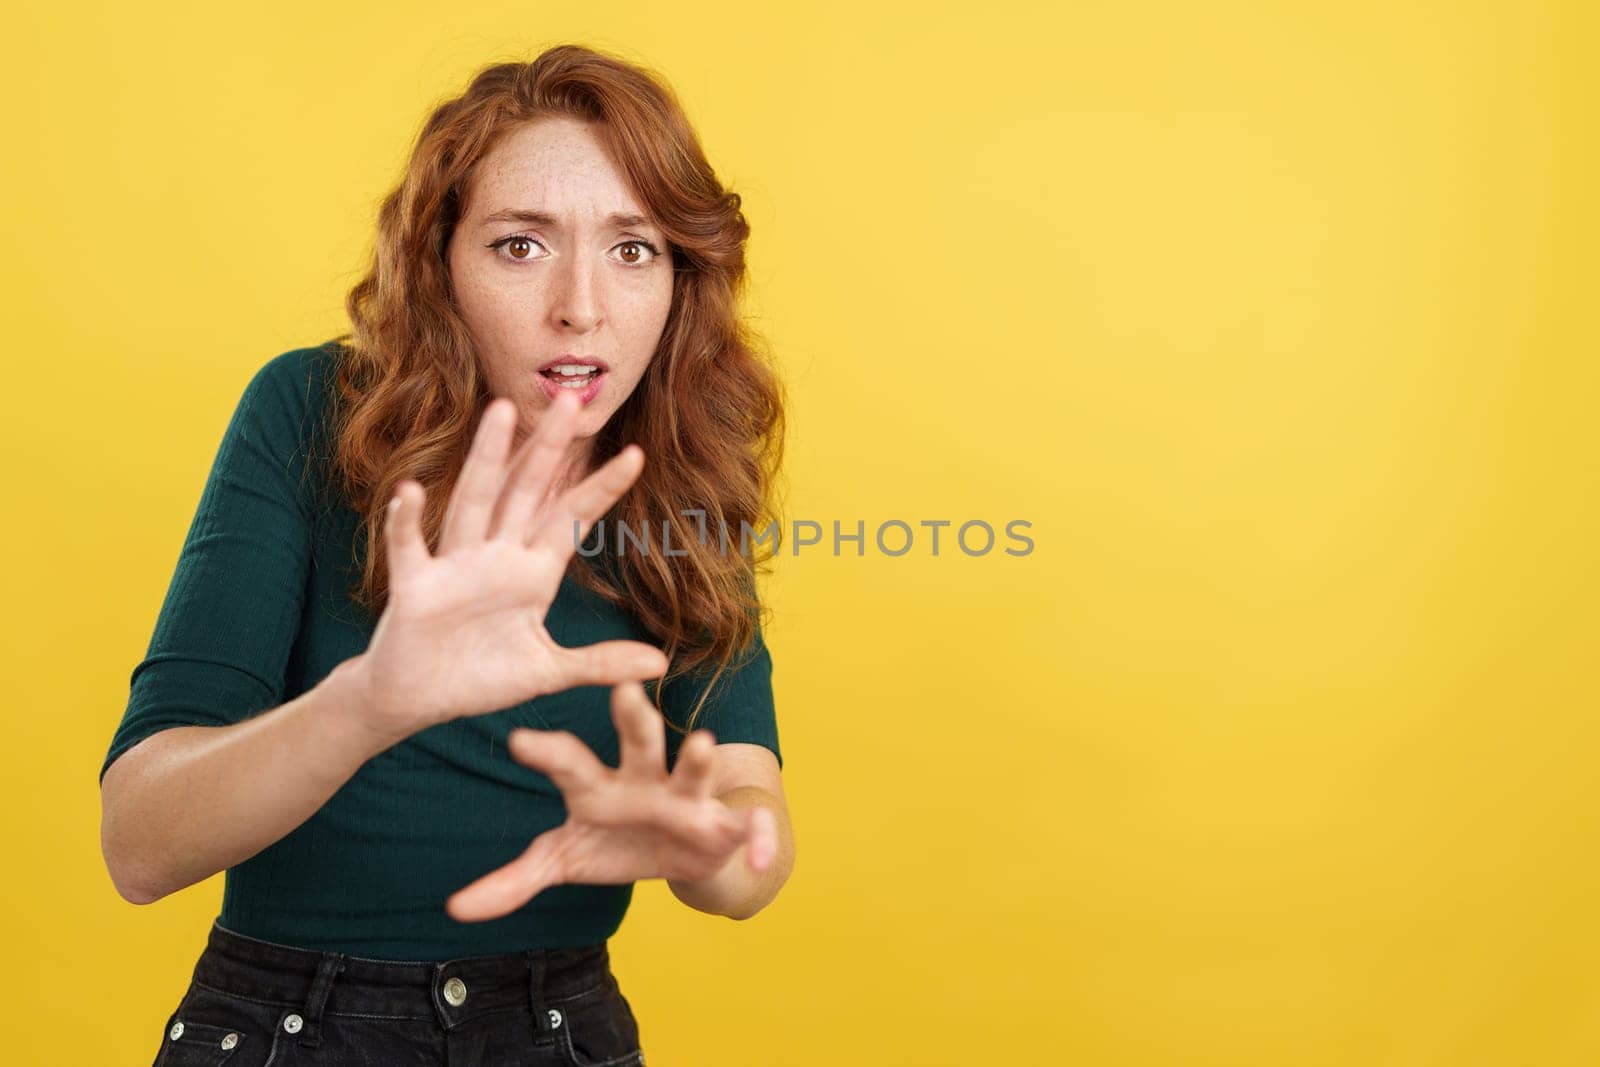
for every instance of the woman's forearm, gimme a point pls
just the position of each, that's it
(190, 801)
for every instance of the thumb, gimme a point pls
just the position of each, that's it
(402, 527)
(503, 891)
(611, 663)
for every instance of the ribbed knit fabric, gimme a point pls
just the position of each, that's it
(258, 612)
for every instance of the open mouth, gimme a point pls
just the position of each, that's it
(572, 375)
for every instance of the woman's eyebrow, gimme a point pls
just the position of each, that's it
(616, 219)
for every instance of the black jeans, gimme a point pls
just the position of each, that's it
(253, 1003)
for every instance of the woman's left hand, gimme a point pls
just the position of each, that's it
(623, 824)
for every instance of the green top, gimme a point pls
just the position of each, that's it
(258, 612)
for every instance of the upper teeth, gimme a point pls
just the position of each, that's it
(571, 369)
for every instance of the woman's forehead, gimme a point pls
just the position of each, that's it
(556, 169)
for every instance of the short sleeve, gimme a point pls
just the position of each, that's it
(233, 607)
(740, 706)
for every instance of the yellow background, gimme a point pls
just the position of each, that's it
(1275, 320)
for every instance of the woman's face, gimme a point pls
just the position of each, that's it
(553, 266)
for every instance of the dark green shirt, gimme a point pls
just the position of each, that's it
(258, 612)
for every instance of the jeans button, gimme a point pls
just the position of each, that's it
(176, 1031)
(292, 1023)
(455, 991)
(555, 1018)
(230, 1041)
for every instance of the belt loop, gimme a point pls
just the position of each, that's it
(536, 971)
(332, 963)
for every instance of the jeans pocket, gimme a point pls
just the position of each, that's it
(188, 1043)
(211, 1028)
(598, 1029)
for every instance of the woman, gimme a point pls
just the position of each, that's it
(365, 740)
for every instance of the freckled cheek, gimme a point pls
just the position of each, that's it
(475, 295)
(641, 309)
(504, 309)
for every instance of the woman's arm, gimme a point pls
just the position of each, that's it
(190, 801)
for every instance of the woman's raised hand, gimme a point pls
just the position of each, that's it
(633, 822)
(463, 630)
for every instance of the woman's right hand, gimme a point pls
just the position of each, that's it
(463, 630)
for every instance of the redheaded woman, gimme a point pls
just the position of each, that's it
(477, 573)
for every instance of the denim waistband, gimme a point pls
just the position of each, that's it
(314, 983)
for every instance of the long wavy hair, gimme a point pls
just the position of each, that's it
(409, 390)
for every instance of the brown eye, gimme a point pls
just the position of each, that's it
(518, 248)
(638, 260)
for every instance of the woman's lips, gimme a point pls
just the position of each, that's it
(555, 384)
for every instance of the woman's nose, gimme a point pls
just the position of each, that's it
(577, 301)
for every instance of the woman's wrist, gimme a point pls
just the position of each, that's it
(347, 721)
